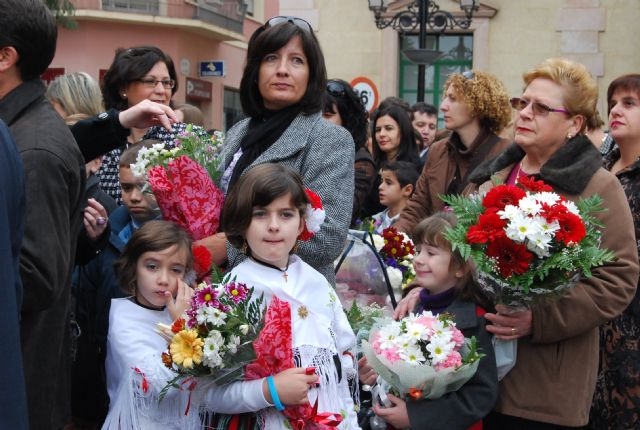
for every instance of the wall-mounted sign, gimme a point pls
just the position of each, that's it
(197, 89)
(212, 68)
(51, 73)
(367, 91)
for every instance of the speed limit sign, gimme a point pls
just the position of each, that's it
(367, 90)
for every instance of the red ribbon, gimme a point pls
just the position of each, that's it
(145, 383)
(192, 385)
(313, 419)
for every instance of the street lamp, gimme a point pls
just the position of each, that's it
(422, 14)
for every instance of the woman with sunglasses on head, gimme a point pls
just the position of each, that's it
(342, 106)
(475, 108)
(137, 74)
(281, 93)
(616, 403)
(552, 383)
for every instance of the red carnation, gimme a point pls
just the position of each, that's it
(512, 258)
(571, 229)
(502, 195)
(489, 227)
(201, 261)
(178, 325)
(529, 183)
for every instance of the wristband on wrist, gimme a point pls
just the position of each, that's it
(274, 394)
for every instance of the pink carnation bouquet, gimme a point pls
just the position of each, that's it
(422, 355)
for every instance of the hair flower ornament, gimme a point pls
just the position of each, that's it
(314, 216)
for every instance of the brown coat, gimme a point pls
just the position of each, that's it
(440, 171)
(555, 373)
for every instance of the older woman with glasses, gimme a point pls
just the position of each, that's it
(281, 92)
(137, 74)
(616, 403)
(342, 106)
(552, 383)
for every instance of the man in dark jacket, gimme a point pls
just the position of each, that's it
(13, 402)
(54, 172)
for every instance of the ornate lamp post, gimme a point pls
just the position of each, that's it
(422, 14)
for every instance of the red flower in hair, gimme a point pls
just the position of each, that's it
(512, 258)
(314, 216)
(571, 230)
(502, 195)
(201, 261)
(489, 227)
(529, 183)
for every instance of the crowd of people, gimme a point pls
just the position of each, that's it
(91, 266)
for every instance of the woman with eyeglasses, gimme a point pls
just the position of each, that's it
(342, 106)
(281, 92)
(137, 74)
(553, 381)
(475, 108)
(616, 403)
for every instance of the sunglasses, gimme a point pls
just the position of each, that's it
(298, 22)
(336, 89)
(468, 74)
(537, 108)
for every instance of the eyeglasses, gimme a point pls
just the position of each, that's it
(151, 83)
(468, 74)
(336, 89)
(537, 108)
(298, 22)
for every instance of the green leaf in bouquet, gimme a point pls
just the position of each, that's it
(173, 383)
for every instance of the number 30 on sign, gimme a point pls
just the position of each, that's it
(367, 91)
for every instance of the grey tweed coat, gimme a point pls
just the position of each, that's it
(323, 155)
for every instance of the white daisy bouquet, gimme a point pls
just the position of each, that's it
(422, 355)
(214, 337)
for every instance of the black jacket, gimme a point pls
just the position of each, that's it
(461, 409)
(55, 177)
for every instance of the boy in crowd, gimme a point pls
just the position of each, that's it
(424, 118)
(95, 284)
(398, 181)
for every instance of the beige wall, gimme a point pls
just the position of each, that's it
(602, 34)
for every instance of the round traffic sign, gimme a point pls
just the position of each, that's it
(367, 91)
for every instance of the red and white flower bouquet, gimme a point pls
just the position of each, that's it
(183, 181)
(422, 355)
(527, 242)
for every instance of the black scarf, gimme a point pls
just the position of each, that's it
(261, 134)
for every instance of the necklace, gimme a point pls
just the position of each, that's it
(283, 271)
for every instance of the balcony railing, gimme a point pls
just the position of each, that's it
(227, 14)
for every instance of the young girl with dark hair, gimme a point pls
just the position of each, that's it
(265, 215)
(447, 287)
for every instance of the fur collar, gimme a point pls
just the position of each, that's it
(569, 169)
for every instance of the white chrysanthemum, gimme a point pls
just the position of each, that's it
(388, 335)
(529, 205)
(547, 197)
(378, 242)
(138, 169)
(232, 345)
(520, 228)
(209, 314)
(510, 212)
(212, 360)
(415, 330)
(395, 277)
(314, 218)
(539, 244)
(439, 349)
(413, 355)
(571, 207)
(212, 349)
(244, 328)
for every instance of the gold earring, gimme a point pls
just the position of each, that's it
(243, 248)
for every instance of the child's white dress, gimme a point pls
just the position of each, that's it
(320, 332)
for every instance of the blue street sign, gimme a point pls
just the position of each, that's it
(212, 68)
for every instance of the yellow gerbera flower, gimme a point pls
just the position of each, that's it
(186, 348)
